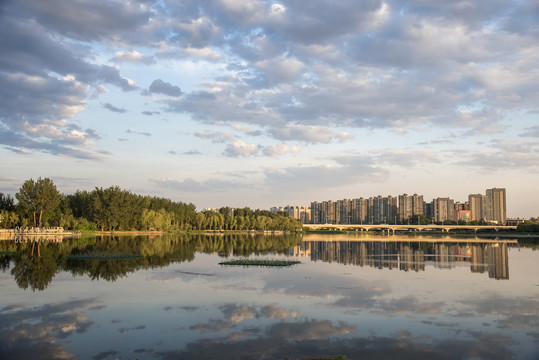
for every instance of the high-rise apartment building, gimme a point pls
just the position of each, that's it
(478, 206)
(417, 204)
(497, 205)
(391, 212)
(359, 210)
(390, 209)
(315, 212)
(405, 207)
(409, 206)
(489, 207)
(444, 209)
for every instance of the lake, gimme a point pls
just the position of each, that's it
(360, 296)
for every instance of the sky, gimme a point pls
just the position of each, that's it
(270, 103)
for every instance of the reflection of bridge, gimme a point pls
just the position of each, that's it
(392, 228)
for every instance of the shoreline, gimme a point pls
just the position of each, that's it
(11, 234)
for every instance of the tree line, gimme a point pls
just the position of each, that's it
(38, 203)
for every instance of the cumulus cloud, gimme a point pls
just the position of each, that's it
(190, 185)
(531, 132)
(45, 82)
(215, 136)
(237, 148)
(505, 154)
(131, 131)
(206, 53)
(132, 57)
(161, 87)
(345, 170)
(313, 72)
(150, 113)
(114, 108)
(280, 149)
(87, 20)
(310, 134)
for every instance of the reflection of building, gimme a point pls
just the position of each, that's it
(491, 258)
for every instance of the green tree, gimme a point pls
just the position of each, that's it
(34, 271)
(200, 218)
(6, 202)
(38, 199)
(8, 219)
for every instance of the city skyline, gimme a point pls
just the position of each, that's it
(256, 103)
(491, 207)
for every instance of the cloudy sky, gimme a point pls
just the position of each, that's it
(264, 103)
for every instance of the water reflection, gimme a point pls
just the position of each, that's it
(176, 302)
(491, 257)
(37, 259)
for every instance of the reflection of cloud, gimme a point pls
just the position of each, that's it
(274, 312)
(315, 339)
(31, 333)
(105, 355)
(518, 313)
(236, 314)
(212, 326)
(362, 296)
(408, 304)
(311, 330)
(492, 338)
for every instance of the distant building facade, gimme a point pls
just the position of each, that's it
(401, 209)
(302, 213)
(489, 207)
(497, 205)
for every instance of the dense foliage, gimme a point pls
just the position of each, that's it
(531, 225)
(115, 209)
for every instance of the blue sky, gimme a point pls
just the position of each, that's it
(266, 103)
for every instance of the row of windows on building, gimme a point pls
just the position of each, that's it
(401, 209)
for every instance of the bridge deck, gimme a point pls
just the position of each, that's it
(393, 228)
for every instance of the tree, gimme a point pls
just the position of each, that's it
(38, 198)
(8, 219)
(6, 202)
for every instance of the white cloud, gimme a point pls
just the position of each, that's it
(280, 149)
(190, 185)
(237, 148)
(132, 57)
(162, 87)
(310, 134)
(203, 53)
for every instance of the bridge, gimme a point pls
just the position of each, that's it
(386, 228)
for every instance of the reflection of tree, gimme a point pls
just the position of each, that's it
(36, 262)
(107, 269)
(34, 271)
(245, 245)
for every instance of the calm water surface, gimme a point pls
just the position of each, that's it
(358, 296)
